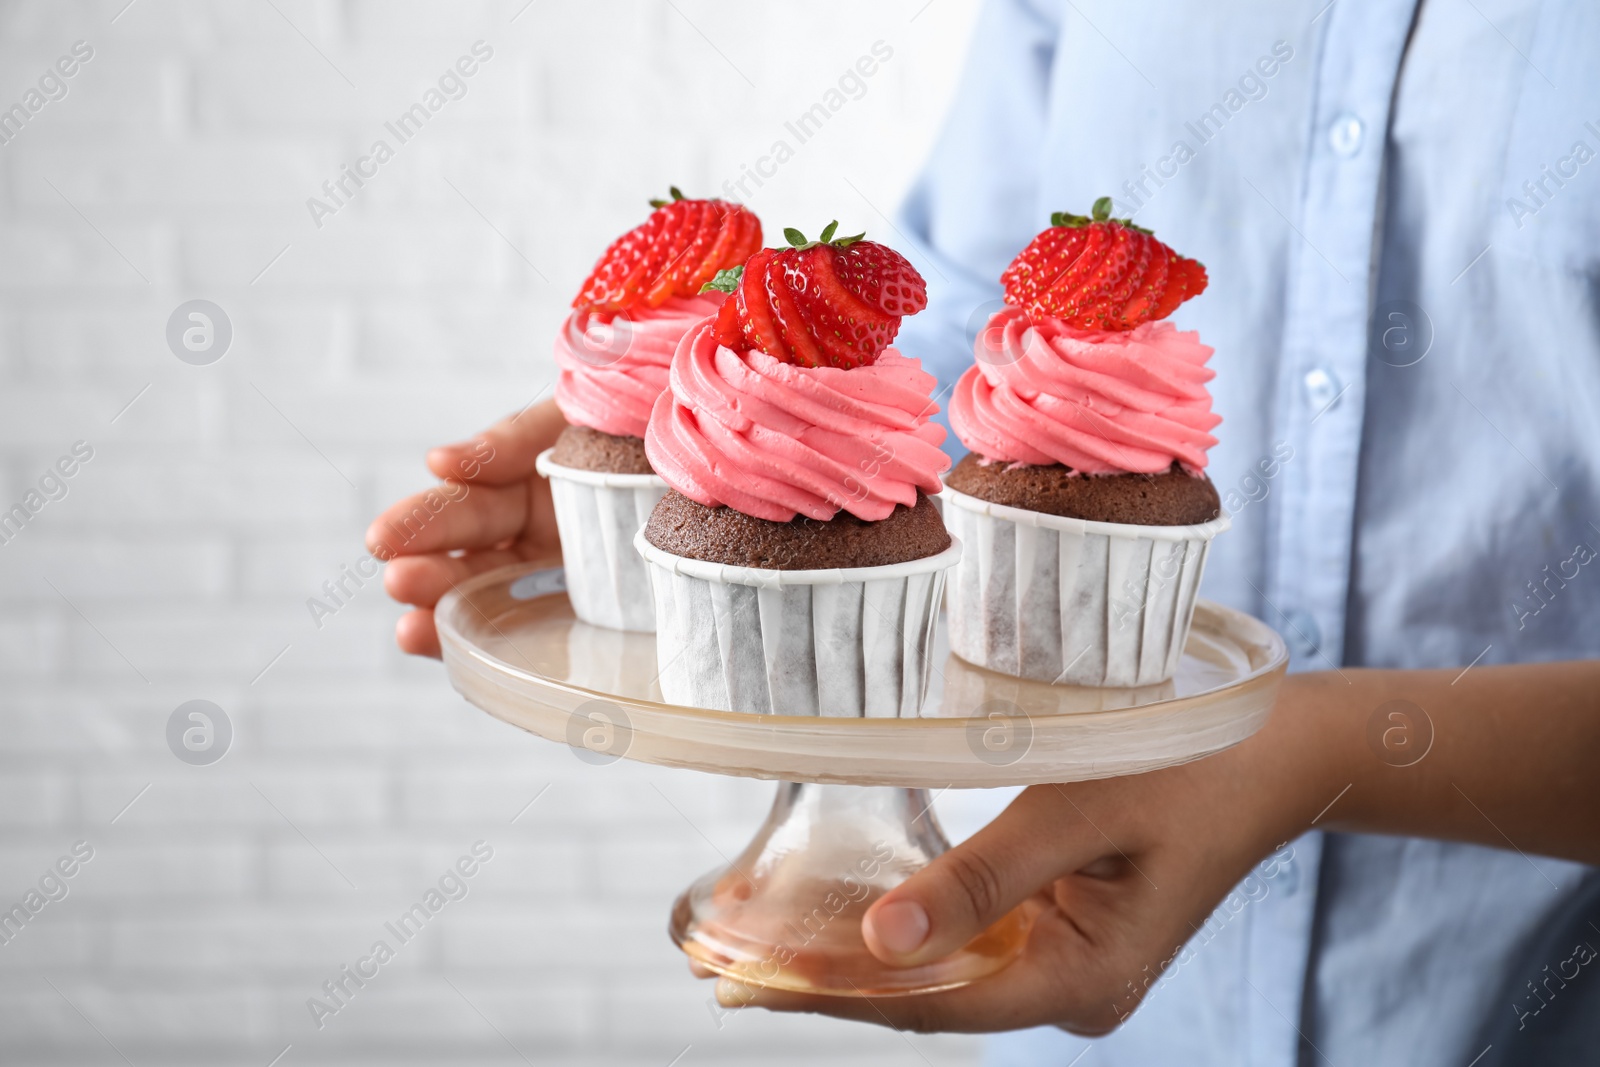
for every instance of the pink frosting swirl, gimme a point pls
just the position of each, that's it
(1098, 402)
(774, 440)
(612, 371)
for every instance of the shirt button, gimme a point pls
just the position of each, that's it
(1303, 634)
(1344, 136)
(1322, 389)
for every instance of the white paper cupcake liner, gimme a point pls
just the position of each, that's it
(597, 514)
(1070, 601)
(848, 643)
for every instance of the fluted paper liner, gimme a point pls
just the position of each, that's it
(850, 643)
(597, 514)
(1065, 600)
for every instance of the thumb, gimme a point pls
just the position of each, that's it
(504, 453)
(965, 891)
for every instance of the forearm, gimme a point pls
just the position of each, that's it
(1513, 760)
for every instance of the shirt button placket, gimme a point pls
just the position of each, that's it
(1320, 402)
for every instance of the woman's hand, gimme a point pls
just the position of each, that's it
(1119, 874)
(1122, 872)
(492, 509)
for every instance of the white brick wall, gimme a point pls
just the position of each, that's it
(177, 167)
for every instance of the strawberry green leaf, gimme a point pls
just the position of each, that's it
(827, 232)
(846, 242)
(726, 281)
(793, 236)
(677, 194)
(1102, 209)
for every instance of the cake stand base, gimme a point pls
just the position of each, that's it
(787, 913)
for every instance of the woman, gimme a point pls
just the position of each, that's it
(1398, 208)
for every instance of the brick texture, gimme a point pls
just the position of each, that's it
(176, 562)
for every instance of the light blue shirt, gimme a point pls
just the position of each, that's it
(1399, 208)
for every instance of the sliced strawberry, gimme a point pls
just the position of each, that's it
(784, 277)
(732, 245)
(828, 302)
(881, 277)
(697, 233)
(760, 327)
(1100, 273)
(674, 252)
(1152, 284)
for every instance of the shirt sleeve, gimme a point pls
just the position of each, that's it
(975, 203)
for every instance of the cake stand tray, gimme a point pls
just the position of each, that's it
(853, 818)
(512, 647)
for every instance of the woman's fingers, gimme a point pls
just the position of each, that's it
(415, 633)
(1053, 982)
(422, 580)
(504, 453)
(449, 517)
(959, 895)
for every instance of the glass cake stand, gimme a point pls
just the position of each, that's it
(853, 817)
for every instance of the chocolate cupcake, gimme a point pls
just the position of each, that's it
(1089, 421)
(613, 352)
(798, 561)
(1172, 497)
(724, 535)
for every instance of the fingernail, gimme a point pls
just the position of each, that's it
(901, 926)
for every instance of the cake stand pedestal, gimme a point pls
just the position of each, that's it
(853, 817)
